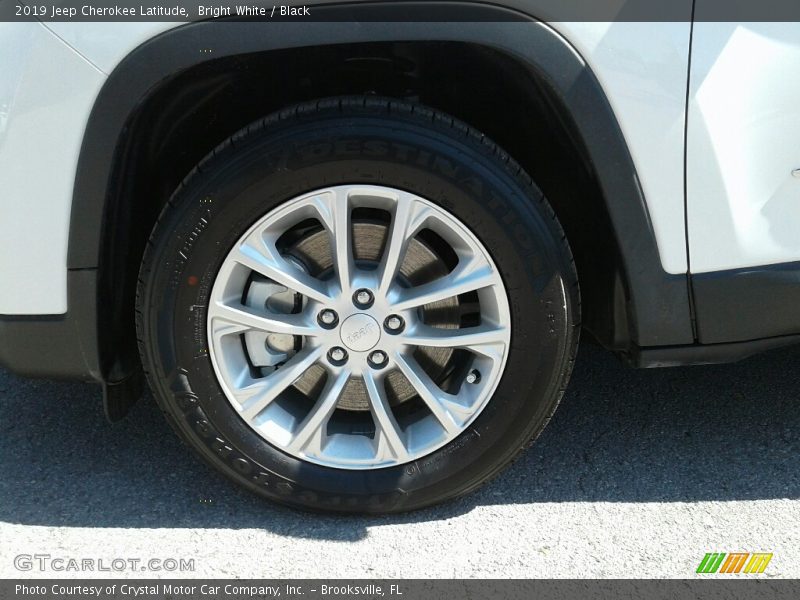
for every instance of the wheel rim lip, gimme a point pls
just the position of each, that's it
(278, 215)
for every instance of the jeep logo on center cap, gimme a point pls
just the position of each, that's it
(360, 332)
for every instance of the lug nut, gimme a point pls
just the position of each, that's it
(363, 298)
(394, 324)
(328, 318)
(473, 376)
(337, 355)
(378, 359)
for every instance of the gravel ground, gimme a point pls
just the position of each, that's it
(638, 475)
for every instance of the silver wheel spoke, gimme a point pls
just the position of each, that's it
(270, 264)
(334, 210)
(243, 318)
(388, 435)
(407, 220)
(310, 434)
(472, 338)
(469, 278)
(431, 394)
(257, 396)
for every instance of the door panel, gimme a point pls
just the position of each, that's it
(743, 143)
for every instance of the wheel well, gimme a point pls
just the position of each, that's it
(189, 113)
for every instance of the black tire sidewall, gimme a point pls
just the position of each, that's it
(259, 172)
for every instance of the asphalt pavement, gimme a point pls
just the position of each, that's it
(639, 474)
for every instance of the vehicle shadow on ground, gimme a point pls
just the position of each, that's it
(711, 433)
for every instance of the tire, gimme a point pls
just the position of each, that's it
(453, 172)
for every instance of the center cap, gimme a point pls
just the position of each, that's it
(360, 332)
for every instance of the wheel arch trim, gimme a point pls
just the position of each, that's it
(651, 307)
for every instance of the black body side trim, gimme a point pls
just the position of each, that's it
(57, 346)
(745, 304)
(740, 312)
(699, 354)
